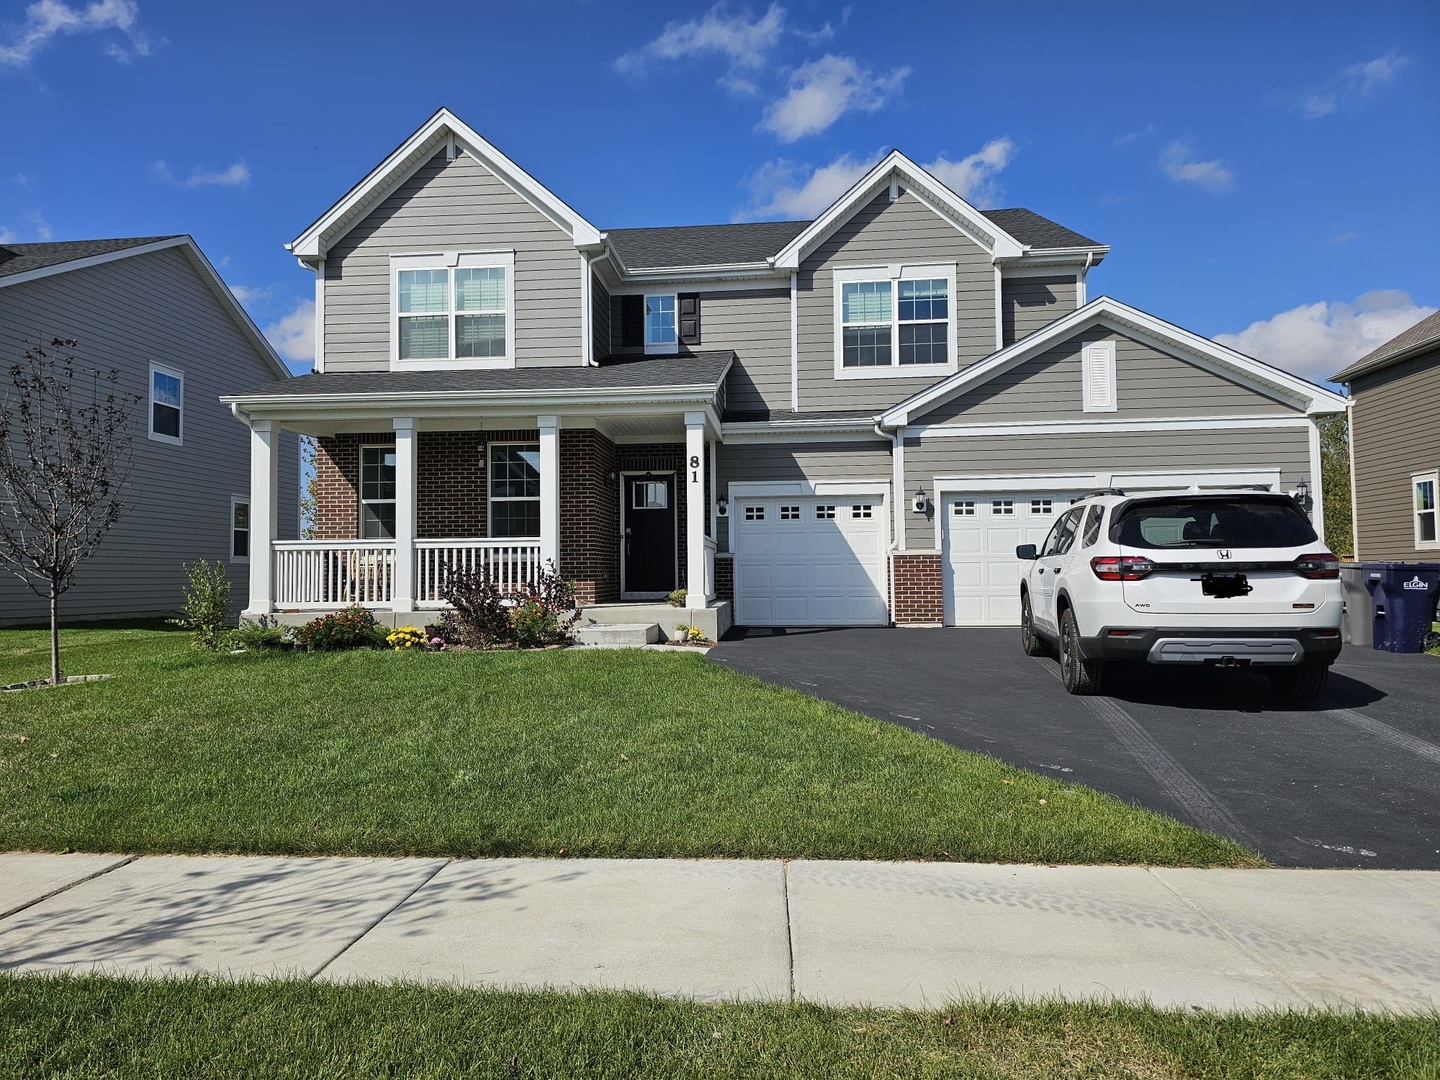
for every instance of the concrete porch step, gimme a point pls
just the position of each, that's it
(655, 611)
(591, 633)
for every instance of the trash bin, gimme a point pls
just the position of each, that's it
(1404, 603)
(1358, 627)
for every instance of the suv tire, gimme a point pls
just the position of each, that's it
(1030, 642)
(1303, 682)
(1079, 675)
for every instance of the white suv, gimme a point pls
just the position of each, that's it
(1232, 578)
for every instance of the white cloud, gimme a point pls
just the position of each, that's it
(237, 175)
(43, 232)
(1179, 160)
(973, 176)
(7, 237)
(1341, 239)
(1350, 87)
(789, 189)
(293, 335)
(744, 42)
(253, 296)
(824, 90)
(1317, 340)
(1147, 132)
(49, 18)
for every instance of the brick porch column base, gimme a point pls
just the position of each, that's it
(724, 576)
(919, 588)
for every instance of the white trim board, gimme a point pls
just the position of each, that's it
(1090, 481)
(1078, 427)
(765, 489)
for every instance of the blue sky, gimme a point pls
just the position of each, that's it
(1265, 173)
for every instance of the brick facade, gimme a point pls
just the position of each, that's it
(725, 577)
(918, 589)
(589, 516)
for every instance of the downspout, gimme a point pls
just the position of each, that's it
(897, 512)
(1080, 293)
(587, 299)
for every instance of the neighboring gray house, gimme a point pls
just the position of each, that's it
(851, 420)
(1395, 446)
(154, 309)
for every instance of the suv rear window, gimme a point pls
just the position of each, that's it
(1189, 521)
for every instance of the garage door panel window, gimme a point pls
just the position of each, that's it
(789, 513)
(825, 513)
(963, 509)
(1002, 507)
(862, 511)
(754, 513)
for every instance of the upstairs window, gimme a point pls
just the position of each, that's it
(660, 322)
(167, 404)
(895, 320)
(453, 310)
(1424, 487)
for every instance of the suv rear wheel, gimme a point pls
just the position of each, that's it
(1301, 682)
(1079, 675)
(1031, 642)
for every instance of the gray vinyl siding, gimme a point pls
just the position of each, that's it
(756, 324)
(868, 461)
(905, 231)
(127, 314)
(1285, 449)
(600, 317)
(1394, 434)
(448, 206)
(1148, 384)
(1029, 304)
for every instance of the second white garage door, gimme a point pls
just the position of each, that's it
(809, 561)
(980, 534)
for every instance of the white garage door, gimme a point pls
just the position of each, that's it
(809, 561)
(980, 534)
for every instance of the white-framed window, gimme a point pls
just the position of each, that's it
(862, 510)
(167, 404)
(453, 309)
(239, 528)
(825, 512)
(514, 488)
(660, 333)
(1424, 487)
(963, 508)
(1097, 363)
(377, 493)
(789, 513)
(650, 495)
(754, 513)
(1002, 507)
(1042, 506)
(896, 320)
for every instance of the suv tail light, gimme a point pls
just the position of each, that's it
(1121, 567)
(1321, 566)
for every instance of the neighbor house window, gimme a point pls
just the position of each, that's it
(455, 309)
(377, 493)
(515, 489)
(891, 320)
(167, 404)
(1424, 487)
(239, 529)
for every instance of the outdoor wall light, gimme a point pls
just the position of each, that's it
(722, 506)
(611, 476)
(1302, 491)
(921, 502)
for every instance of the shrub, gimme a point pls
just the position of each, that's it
(553, 596)
(677, 598)
(262, 634)
(480, 615)
(207, 597)
(353, 628)
(406, 637)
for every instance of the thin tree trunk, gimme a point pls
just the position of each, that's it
(54, 636)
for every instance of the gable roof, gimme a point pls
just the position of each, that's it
(689, 246)
(20, 263)
(442, 130)
(1422, 336)
(1122, 318)
(1038, 232)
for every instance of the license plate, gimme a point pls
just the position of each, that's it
(1224, 586)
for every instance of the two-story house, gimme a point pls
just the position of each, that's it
(851, 420)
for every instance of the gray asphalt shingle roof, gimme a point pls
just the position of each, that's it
(22, 258)
(1426, 331)
(753, 416)
(639, 373)
(753, 242)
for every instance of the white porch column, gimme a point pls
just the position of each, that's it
(264, 504)
(402, 595)
(695, 594)
(549, 426)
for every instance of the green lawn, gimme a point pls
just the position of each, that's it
(95, 1026)
(593, 753)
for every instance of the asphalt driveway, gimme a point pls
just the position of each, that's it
(1349, 780)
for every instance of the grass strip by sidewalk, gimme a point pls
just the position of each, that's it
(84, 1026)
(593, 753)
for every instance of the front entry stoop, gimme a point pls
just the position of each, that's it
(713, 621)
(618, 634)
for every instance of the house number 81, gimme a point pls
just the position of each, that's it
(694, 466)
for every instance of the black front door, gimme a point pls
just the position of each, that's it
(649, 534)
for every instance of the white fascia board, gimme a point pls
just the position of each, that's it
(793, 431)
(1121, 318)
(529, 400)
(760, 489)
(1071, 256)
(397, 167)
(1000, 244)
(1111, 426)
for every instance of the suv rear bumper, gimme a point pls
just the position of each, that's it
(1224, 647)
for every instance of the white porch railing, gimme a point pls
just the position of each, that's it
(334, 573)
(511, 564)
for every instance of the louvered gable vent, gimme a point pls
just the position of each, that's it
(1098, 374)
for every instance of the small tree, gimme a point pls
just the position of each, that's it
(65, 456)
(1335, 482)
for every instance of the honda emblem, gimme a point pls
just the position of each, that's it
(1222, 553)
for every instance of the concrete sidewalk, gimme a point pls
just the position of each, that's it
(889, 934)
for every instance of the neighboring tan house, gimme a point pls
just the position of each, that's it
(1395, 446)
(851, 420)
(153, 309)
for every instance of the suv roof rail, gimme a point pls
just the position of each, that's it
(1097, 491)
